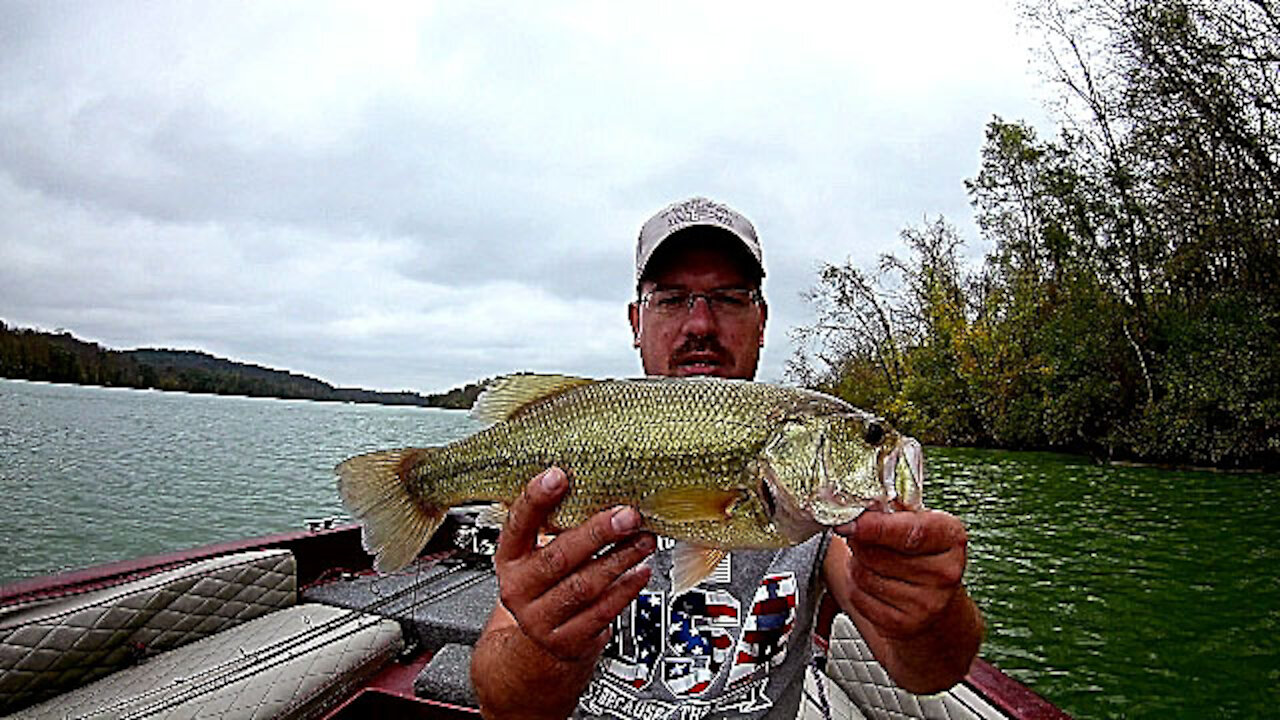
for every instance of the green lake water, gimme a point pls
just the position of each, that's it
(1114, 592)
(1123, 592)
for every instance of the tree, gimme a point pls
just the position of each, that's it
(1128, 305)
(851, 349)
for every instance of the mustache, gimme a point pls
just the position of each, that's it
(702, 345)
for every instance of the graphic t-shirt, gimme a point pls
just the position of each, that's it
(734, 646)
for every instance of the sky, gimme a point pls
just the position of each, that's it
(419, 195)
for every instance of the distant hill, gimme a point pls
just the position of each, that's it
(60, 357)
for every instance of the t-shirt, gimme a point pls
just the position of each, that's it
(734, 646)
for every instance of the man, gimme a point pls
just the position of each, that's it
(587, 626)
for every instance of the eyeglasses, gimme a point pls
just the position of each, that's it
(726, 303)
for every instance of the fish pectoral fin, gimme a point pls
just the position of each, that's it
(493, 516)
(506, 396)
(691, 504)
(691, 564)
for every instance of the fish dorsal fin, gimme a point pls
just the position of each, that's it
(509, 394)
(691, 564)
(690, 504)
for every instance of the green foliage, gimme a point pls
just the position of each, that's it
(1220, 380)
(1128, 306)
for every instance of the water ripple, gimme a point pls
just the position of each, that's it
(95, 475)
(1122, 592)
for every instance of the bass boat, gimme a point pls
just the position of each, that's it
(298, 625)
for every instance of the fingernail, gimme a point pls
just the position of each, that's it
(644, 568)
(625, 520)
(552, 480)
(646, 543)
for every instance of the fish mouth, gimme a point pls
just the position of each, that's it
(902, 474)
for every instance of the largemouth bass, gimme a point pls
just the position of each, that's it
(719, 464)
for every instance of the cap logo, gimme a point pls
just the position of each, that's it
(698, 210)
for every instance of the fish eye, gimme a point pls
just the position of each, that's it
(873, 433)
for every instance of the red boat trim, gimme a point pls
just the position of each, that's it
(374, 702)
(1010, 696)
(324, 549)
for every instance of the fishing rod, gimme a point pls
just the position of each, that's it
(295, 646)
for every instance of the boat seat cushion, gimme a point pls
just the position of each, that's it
(824, 700)
(293, 663)
(52, 645)
(853, 668)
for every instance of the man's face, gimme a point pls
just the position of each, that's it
(698, 341)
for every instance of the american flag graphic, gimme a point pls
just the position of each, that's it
(637, 641)
(698, 640)
(764, 636)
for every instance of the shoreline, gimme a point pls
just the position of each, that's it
(210, 393)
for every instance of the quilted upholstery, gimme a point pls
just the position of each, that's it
(852, 666)
(824, 700)
(293, 663)
(50, 646)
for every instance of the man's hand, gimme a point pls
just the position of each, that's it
(539, 650)
(563, 596)
(899, 575)
(906, 567)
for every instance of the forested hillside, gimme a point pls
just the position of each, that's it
(1129, 305)
(60, 357)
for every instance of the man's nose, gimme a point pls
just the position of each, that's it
(700, 317)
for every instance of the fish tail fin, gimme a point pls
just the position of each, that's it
(376, 488)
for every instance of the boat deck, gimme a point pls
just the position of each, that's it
(440, 604)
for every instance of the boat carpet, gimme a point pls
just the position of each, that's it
(447, 677)
(436, 603)
(52, 645)
(293, 663)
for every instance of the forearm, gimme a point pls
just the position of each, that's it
(514, 678)
(935, 658)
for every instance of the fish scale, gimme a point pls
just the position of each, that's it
(714, 462)
(710, 441)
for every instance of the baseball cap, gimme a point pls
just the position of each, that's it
(695, 212)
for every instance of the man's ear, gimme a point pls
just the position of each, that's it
(633, 314)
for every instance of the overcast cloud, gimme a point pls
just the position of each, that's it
(414, 196)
